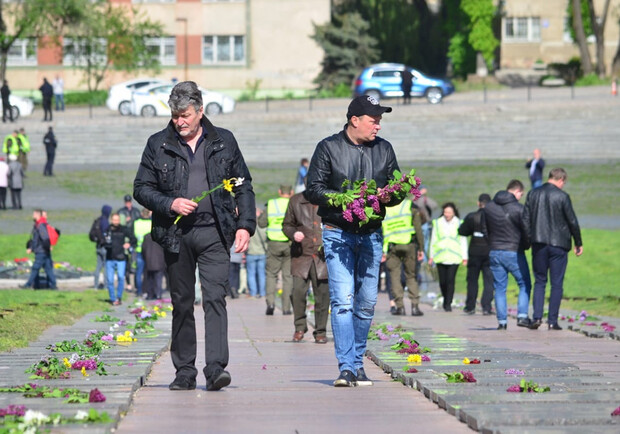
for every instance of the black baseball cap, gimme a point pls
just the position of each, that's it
(127, 198)
(366, 105)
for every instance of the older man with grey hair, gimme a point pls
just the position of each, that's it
(191, 156)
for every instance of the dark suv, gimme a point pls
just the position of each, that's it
(383, 81)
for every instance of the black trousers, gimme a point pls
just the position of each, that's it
(47, 108)
(475, 265)
(152, 283)
(548, 261)
(447, 276)
(16, 198)
(49, 163)
(2, 197)
(200, 246)
(299, 299)
(6, 110)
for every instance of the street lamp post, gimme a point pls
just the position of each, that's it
(186, 60)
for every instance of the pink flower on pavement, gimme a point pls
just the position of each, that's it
(514, 388)
(616, 412)
(96, 396)
(468, 376)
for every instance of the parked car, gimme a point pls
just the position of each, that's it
(383, 81)
(119, 95)
(152, 100)
(20, 106)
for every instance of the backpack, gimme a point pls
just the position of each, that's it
(93, 234)
(53, 234)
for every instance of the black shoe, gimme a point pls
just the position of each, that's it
(524, 322)
(361, 379)
(183, 382)
(25, 286)
(469, 311)
(535, 324)
(415, 310)
(502, 327)
(400, 311)
(392, 309)
(554, 327)
(270, 310)
(488, 312)
(287, 312)
(346, 379)
(218, 381)
(448, 309)
(100, 286)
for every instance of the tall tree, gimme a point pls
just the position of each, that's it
(481, 37)
(32, 19)
(580, 35)
(348, 48)
(598, 27)
(589, 23)
(111, 36)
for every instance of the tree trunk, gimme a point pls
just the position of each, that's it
(615, 66)
(599, 33)
(580, 34)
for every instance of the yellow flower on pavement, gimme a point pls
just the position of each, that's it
(414, 358)
(84, 371)
(65, 362)
(466, 361)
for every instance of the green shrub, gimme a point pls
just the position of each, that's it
(85, 98)
(592, 80)
(341, 90)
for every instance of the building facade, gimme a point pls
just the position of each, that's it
(220, 44)
(536, 31)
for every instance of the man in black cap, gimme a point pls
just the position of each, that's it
(353, 253)
(473, 226)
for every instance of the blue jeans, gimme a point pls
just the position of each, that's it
(139, 272)
(42, 260)
(255, 265)
(353, 268)
(502, 263)
(537, 183)
(111, 267)
(549, 260)
(60, 101)
(523, 305)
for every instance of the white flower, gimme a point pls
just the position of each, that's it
(34, 417)
(81, 415)
(239, 181)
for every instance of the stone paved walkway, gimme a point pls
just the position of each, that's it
(284, 387)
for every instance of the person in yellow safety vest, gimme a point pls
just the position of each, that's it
(403, 244)
(141, 227)
(278, 251)
(10, 146)
(24, 148)
(448, 250)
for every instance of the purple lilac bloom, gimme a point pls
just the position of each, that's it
(144, 314)
(363, 188)
(616, 412)
(358, 209)
(107, 337)
(347, 214)
(88, 364)
(394, 335)
(389, 328)
(469, 377)
(425, 358)
(13, 410)
(514, 372)
(374, 202)
(91, 332)
(514, 388)
(96, 396)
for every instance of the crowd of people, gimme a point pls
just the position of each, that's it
(200, 245)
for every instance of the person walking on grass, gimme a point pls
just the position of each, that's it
(41, 246)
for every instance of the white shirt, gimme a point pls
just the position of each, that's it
(4, 174)
(58, 86)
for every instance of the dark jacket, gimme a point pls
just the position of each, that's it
(40, 239)
(153, 255)
(47, 91)
(164, 173)
(538, 170)
(116, 237)
(504, 223)
(5, 92)
(302, 216)
(473, 226)
(50, 143)
(550, 219)
(337, 159)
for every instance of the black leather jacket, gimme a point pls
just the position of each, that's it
(503, 220)
(550, 219)
(164, 173)
(336, 159)
(473, 226)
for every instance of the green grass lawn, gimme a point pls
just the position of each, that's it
(27, 313)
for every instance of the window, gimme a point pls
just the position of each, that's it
(165, 48)
(23, 52)
(75, 51)
(521, 29)
(383, 74)
(223, 49)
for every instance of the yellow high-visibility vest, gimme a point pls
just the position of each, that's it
(447, 246)
(276, 208)
(397, 225)
(141, 227)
